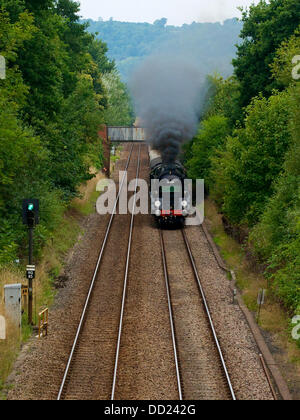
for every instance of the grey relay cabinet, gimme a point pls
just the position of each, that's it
(13, 302)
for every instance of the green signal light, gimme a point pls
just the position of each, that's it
(30, 207)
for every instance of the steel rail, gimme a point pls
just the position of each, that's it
(93, 281)
(265, 368)
(208, 314)
(165, 267)
(125, 282)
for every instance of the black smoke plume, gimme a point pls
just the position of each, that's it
(168, 95)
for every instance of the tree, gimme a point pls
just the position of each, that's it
(223, 99)
(51, 106)
(16, 144)
(68, 9)
(24, 161)
(73, 141)
(119, 110)
(220, 117)
(253, 159)
(54, 63)
(211, 136)
(266, 26)
(275, 239)
(282, 67)
(12, 39)
(98, 50)
(161, 23)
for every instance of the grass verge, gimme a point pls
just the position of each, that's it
(273, 318)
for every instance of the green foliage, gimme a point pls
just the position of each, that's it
(276, 237)
(220, 116)
(285, 264)
(282, 66)
(71, 155)
(12, 38)
(253, 158)
(276, 223)
(223, 99)
(266, 26)
(98, 50)
(211, 136)
(119, 110)
(22, 155)
(52, 103)
(8, 244)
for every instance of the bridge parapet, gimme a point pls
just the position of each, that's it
(123, 134)
(126, 134)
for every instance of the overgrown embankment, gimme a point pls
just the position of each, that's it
(248, 146)
(50, 270)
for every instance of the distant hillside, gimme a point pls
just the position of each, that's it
(211, 44)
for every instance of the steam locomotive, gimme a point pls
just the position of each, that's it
(170, 202)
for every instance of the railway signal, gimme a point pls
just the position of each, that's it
(31, 212)
(31, 219)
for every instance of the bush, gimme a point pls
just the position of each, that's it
(211, 136)
(285, 264)
(253, 159)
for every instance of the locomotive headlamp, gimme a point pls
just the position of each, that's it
(157, 213)
(157, 204)
(184, 204)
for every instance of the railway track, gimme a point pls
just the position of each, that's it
(206, 375)
(174, 342)
(125, 283)
(144, 365)
(93, 367)
(85, 359)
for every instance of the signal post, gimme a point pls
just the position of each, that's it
(31, 219)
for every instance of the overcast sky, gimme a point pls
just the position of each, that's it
(177, 11)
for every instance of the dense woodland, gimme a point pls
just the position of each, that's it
(211, 45)
(248, 144)
(60, 87)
